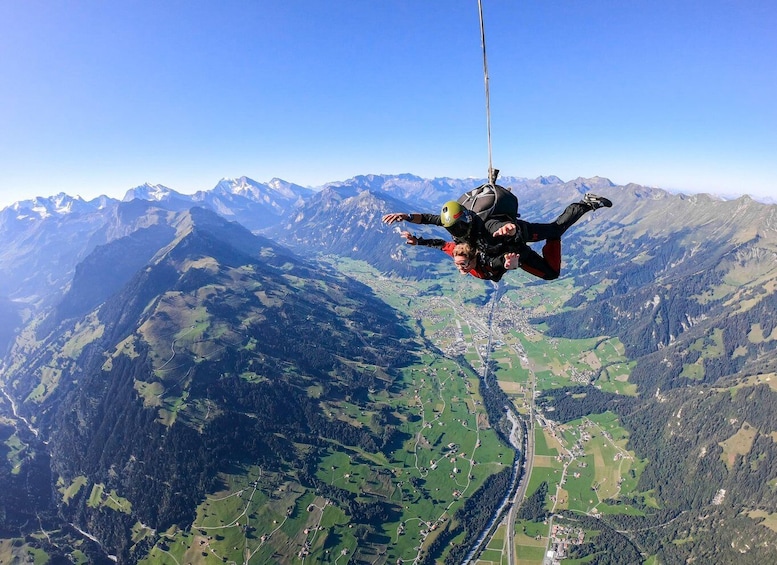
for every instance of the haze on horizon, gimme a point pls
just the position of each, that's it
(104, 97)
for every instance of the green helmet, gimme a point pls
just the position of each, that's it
(456, 218)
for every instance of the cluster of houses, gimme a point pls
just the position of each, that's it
(561, 539)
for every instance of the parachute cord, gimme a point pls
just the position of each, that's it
(492, 173)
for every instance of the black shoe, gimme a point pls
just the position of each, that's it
(596, 202)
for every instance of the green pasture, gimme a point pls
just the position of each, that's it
(527, 531)
(71, 490)
(492, 556)
(614, 378)
(694, 371)
(709, 347)
(529, 555)
(242, 520)
(49, 380)
(151, 393)
(541, 297)
(608, 422)
(613, 462)
(17, 550)
(738, 444)
(550, 475)
(98, 497)
(141, 532)
(578, 487)
(83, 334)
(562, 362)
(541, 446)
(548, 379)
(600, 476)
(495, 554)
(17, 451)
(531, 540)
(767, 519)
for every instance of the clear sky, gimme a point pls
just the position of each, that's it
(97, 97)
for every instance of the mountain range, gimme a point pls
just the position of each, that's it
(162, 344)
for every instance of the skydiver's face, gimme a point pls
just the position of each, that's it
(464, 264)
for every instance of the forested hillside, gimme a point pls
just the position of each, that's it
(187, 369)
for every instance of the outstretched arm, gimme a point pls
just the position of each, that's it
(401, 217)
(411, 239)
(413, 218)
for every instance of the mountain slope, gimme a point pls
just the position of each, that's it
(672, 273)
(44, 238)
(346, 221)
(191, 368)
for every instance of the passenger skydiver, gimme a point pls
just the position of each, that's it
(468, 260)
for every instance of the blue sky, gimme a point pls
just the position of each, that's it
(100, 96)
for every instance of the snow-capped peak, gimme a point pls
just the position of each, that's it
(147, 191)
(242, 186)
(43, 207)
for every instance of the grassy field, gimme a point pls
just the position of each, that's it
(18, 551)
(17, 450)
(531, 540)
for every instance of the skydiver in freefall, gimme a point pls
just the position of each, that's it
(500, 245)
